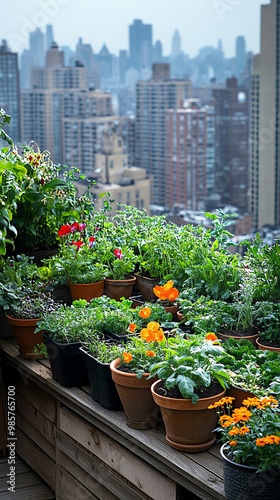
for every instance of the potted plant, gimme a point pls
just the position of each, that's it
(121, 263)
(131, 374)
(167, 295)
(98, 354)
(268, 321)
(251, 449)
(79, 261)
(252, 372)
(24, 298)
(190, 376)
(64, 331)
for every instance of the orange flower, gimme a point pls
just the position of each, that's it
(127, 357)
(145, 312)
(166, 291)
(233, 443)
(268, 440)
(173, 294)
(211, 336)
(132, 327)
(241, 414)
(150, 353)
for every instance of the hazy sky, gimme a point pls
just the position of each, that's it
(199, 22)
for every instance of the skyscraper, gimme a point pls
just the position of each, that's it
(232, 135)
(140, 44)
(9, 89)
(176, 45)
(265, 122)
(37, 47)
(49, 36)
(186, 141)
(240, 55)
(153, 98)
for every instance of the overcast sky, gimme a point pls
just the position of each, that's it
(199, 22)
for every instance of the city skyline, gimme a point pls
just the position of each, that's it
(200, 23)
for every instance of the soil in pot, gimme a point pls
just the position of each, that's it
(270, 345)
(250, 335)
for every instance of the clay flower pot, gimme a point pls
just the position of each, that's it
(116, 289)
(189, 427)
(23, 330)
(135, 394)
(86, 291)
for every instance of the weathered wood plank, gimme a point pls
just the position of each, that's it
(94, 487)
(38, 460)
(37, 419)
(70, 488)
(118, 458)
(41, 401)
(35, 435)
(94, 467)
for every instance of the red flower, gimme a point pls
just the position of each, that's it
(91, 241)
(75, 227)
(64, 230)
(82, 226)
(78, 244)
(118, 253)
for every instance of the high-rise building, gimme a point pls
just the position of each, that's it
(240, 55)
(157, 52)
(176, 45)
(140, 44)
(85, 55)
(43, 105)
(232, 144)
(153, 98)
(9, 90)
(37, 47)
(265, 122)
(186, 143)
(49, 36)
(123, 64)
(25, 69)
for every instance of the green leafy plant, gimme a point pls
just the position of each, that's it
(191, 364)
(252, 432)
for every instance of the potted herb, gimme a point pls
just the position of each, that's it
(268, 320)
(24, 298)
(64, 331)
(98, 355)
(190, 376)
(121, 263)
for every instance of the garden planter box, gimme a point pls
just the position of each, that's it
(103, 389)
(67, 363)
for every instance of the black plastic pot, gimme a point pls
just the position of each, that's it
(103, 389)
(67, 362)
(108, 335)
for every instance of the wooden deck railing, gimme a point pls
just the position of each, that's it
(82, 450)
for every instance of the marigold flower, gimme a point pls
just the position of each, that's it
(127, 357)
(268, 440)
(132, 327)
(145, 313)
(233, 443)
(241, 414)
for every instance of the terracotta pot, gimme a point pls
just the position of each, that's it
(23, 330)
(252, 338)
(86, 291)
(189, 427)
(242, 481)
(173, 310)
(116, 289)
(135, 394)
(238, 393)
(146, 286)
(264, 347)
